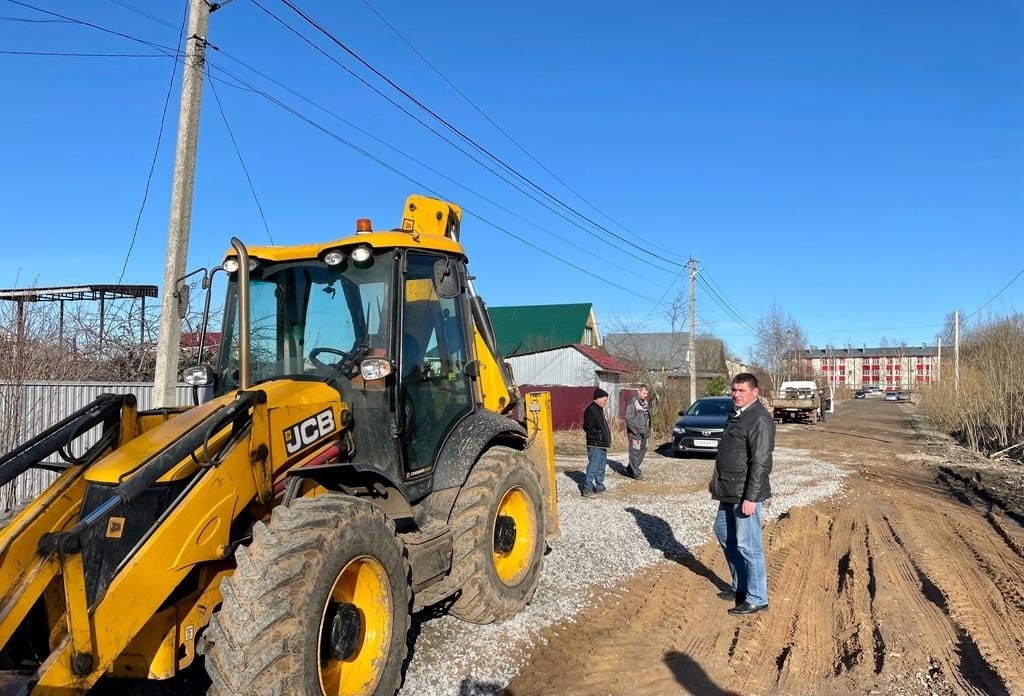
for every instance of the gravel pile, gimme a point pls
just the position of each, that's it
(603, 541)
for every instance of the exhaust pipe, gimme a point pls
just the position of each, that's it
(244, 378)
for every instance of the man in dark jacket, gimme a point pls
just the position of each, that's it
(599, 439)
(740, 484)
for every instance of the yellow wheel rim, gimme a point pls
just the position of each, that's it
(362, 583)
(513, 565)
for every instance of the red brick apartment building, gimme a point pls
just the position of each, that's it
(890, 369)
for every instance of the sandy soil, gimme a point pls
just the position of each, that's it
(910, 582)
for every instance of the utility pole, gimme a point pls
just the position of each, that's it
(956, 352)
(692, 263)
(169, 337)
(938, 364)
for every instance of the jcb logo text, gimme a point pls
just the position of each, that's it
(309, 431)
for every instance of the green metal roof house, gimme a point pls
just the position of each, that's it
(533, 328)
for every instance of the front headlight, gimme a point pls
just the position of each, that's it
(374, 368)
(677, 430)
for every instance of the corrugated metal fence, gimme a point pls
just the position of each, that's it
(568, 403)
(28, 408)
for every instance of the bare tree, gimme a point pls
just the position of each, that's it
(780, 338)
(663, 364)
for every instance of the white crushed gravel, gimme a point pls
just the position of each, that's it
(603, 541)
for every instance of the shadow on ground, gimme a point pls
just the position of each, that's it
(692, 676)
(659, 535)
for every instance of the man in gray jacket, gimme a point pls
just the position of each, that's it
(638, 429)
(740, 484)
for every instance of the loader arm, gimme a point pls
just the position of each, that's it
(42, 549)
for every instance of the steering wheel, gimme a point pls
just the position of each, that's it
(330, 351)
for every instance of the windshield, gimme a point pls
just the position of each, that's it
(306, 317)
(711, 407)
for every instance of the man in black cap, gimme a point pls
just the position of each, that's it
(599, 439)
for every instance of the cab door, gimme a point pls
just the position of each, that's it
(436, 393)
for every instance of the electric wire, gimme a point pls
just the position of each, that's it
(490, 120)
(413, 159)
(241, 161)
(167, 49)
(727, 308)
(500, 162)
(494, 203)
(706, 278)
(83, 55)
(156, 147)
(369, 155)
(993, 298)
(34, 21)
(143, 13)
(176, 53)
(661, 299)
(452, 143)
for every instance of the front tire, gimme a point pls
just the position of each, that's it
(498, 525)
(318, 605)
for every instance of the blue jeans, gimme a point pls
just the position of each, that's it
(740, 537)
(597, 458)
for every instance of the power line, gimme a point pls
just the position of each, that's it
(366, 153)
(83, 55)
(167, 49)
(993, 298)
(406, 155)
(176, 54)
(529, 182)
(448, 140)
(143, 13)
(156, 148)
(720, 293)
(664, 294)
(729, 310)
(490, 120)
(252, 188)
(34, 21)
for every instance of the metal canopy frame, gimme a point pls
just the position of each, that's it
(79, 293)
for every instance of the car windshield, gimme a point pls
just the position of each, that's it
(711, 407)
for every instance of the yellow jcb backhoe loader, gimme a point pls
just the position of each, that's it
(363, 453)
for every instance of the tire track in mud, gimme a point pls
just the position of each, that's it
(997, 577)
(984, 614)
(956, 652)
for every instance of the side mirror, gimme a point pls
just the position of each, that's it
(446, 280)
(197, 376)
(682, 413)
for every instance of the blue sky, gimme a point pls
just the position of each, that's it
(861, 164)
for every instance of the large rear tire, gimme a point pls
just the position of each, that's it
(318, 605)
(498, 525)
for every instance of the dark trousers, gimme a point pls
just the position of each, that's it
(637, 451)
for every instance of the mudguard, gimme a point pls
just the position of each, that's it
(468, 440)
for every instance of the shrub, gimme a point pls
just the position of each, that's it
(986, 414)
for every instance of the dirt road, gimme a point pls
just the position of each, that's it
(910, 582)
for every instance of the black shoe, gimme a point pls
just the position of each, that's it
(747, 608)
(599, 488)
(731, 596)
